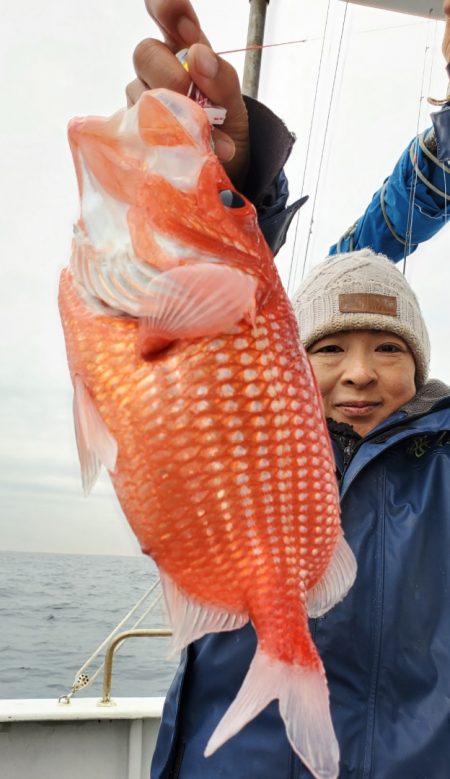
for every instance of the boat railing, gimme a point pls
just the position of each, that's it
(85, 677)
(114, 645)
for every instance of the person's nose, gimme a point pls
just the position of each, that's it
(358, 371)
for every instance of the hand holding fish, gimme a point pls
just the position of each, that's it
(157, 66)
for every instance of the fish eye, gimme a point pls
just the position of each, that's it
(231, 199)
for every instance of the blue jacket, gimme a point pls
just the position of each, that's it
(411, 206)
(386, 647)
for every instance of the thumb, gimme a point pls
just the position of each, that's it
(219, 82)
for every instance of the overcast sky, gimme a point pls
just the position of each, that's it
(56, 62)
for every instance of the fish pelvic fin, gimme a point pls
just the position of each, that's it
(304, 706)
(193, 301)
(190, 620)
(96, 445)
(335, 583)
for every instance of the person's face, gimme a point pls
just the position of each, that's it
(363, 375)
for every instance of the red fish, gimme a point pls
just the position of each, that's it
(193, 389)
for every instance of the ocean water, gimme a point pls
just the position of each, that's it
(56, 609)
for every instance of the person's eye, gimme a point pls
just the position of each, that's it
(328, 349)
(389, 348)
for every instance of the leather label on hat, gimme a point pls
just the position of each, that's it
(367, 303)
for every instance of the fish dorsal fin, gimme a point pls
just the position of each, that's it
(335, 583)
(190, 621)
(191, 301)
(95, 443)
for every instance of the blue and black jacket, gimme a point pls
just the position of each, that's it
(386, 647)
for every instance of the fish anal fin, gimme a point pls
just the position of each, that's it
(335, 583)
(191, 301)
(190, 621)
(304, 706)
(96, 445)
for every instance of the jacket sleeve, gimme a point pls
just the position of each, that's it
(413, 203)
(266, 185)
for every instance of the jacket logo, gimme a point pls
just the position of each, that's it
(423, 443)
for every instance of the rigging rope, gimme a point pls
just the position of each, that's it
(308, 146)
(412, 197)
(81, 679)
(325, 138)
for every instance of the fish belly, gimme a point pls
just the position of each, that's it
(224, 463)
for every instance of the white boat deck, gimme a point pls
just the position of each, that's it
(44, 739)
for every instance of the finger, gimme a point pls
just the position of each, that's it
(177, 21)
(224, 146)
(156, 66)
(215, 77)
(218, 80)
(134, 90)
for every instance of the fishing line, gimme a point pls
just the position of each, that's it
(308, 146)
(412, 197)
(257, 46)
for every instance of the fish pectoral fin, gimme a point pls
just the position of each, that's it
(191, 301)
(190, 621)
(304, 706)
(335, 583)
(95, 443)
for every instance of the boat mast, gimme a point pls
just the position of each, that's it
(255, 38)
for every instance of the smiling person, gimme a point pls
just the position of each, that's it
(386, 646)
(362, 326)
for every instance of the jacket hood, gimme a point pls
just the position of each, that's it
(427, 397)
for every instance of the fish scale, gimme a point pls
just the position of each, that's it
(223, 481)
(216, 443)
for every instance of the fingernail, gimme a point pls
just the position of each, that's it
(188, 30)
(206, 62)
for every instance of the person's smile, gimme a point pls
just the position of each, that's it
(358, 408)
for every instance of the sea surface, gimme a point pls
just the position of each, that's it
(54, 612)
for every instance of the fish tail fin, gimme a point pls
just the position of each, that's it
(304, 707)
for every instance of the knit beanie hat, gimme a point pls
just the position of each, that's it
(362, 291)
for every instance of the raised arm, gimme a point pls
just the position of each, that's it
(394, 223)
